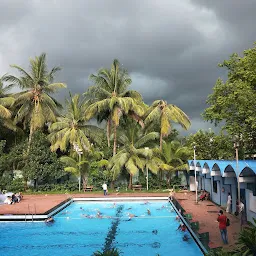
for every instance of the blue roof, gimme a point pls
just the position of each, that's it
(223, 164)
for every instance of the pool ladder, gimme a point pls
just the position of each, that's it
(31, 213)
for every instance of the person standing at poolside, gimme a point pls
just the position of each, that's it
(222, 219)
(171, 194)
(105, 188)
(229, 203)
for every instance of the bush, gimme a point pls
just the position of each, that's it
(67, 186)
(16, 185)
(153, 182)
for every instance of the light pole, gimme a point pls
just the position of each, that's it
(79, 151)
(146, 148)
(194, 147)
(236, 146)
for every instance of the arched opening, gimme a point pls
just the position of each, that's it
(247, 179)
(229, 186)
(216, 184)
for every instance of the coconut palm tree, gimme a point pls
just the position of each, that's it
(174, 157)
(133, 154)
(112, 100)
(73, 128)
(34, 106)
(163, 114)
(6, 102)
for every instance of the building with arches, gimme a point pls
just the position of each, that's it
(219, 177)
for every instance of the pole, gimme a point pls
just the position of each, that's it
(147, 176)
(238, 182)
(238, 186)
(147, 148)
(195, 171)
(79, 178)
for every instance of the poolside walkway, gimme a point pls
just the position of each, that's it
(206, 213)
(39, 204)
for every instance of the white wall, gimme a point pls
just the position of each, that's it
(250, 205)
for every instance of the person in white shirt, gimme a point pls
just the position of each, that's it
(8, 200)
(229, 202)
(241, 207)
(105, 188)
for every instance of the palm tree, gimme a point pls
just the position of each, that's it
(133, 154)
(6, 102)
(112, 99)
(75, 167)
(80, 166)
(73, 127)
(34, 106)
(175, 157)
(162, 113)
(247, 240)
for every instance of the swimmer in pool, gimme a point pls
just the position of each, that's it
(146, 202)
(155, 231)
(148, 212)
(131, 215)
(66, 212)
(49, 220)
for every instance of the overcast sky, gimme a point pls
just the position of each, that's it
(170, 47)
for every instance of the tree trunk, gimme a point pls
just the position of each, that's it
(30, 138)
(168, 179)
(84, 181)
(112, 184)
(114, 148)
(25, 184)
(108, 132)
(130, 182)
(187, 177)
(161, 141)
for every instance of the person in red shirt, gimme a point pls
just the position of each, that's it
(222, 219)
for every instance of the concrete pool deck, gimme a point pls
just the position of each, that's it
(205, 212)
(40, 204)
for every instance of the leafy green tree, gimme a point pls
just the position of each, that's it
(232, 104)
(133, 154)
(73, 128)
(35, 106)
(112, 100)
(163, 114)
(210, 146)
(42, 165)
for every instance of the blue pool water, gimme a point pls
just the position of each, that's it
(73, 234)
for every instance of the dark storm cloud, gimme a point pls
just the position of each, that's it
(170, 48)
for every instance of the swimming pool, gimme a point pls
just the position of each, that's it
(77, 232)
